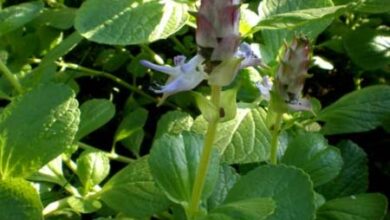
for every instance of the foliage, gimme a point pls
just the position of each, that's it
(234, 148)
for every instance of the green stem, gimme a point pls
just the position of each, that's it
(275, 137)
(112, 155)
(10, 77)
(205, 157)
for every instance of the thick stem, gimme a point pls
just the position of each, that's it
(10, 77)
(205, 157)
(275, 137)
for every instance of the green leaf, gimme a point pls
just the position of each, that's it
(274, 39)
(226, 180)
(371, 206)
(133, 122)
(61, 18)
(51, 172)
(245, 139)
(174, 160)
(358, 111)
(247, 209)
(14, 17)
(94, 114)
(81, 205)
(311, 153)
(36, 128)
(129, 21)
(290, 188)
(19, 200)
(353, 177)
(370, 50)
(133, 191)
(173, 122)
(92, 168)
(374, 6)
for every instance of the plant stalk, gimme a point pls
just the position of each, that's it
(205, 157)
(11, 77)
(275, 137)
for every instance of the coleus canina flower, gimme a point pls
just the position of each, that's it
(290, 77)
(218, 37)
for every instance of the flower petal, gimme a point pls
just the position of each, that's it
(172, 71)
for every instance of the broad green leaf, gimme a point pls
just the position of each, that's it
(51, 172)
(92, 168)
(94, 114)
(174, 161)
(61, 18)
(14, 17)
(226, 180)
(311, 153)
(36, 128)
(133, 191)
(358, 111)
(274, 39)
(289, 187)
(371, 206)
(173, 122)
(247, 209)
(370, 50)
(131, 123)
(353, 177)
(19, 200)
(245, 139)
(129, 21)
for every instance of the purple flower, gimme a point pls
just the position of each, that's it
(182, 77)
(217, 33)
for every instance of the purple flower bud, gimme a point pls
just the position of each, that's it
(217, 32)
(182, 77)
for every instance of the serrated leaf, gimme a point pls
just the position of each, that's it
(274, 39)
(358, 111)
(371, 206)
(36, 128)
(247, 209)
(92, 168)
(245, 139)
(310, 152)
(370, 50)
(226, 179)
(290, 188)
(19, 200)
(129, 21)
(353, 177)
(94, 114)
(14, 17)
(173, 122)
(133, 191)
(174, 160)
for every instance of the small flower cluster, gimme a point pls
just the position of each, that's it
(218, 40)
(290, 76)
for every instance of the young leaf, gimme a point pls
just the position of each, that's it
(245, 139)
(19, 200)
(358, 111)
(36, 128)
(353, 177)
(290, 188)
(94, 114)
(133, 191)
(173, 122)
(247, 209)
(310, 152)
(14, 17)
(81, 205)
(132, 122)
(129, 21)
(274, 39)
(174, 160)
(371, 206)
(92, 168)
